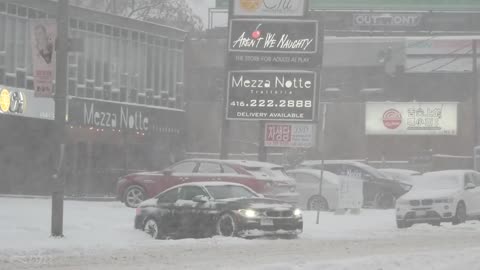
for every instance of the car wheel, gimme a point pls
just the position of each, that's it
(134, 195)
(227, 225)
(402, 224)
(317, 202)
(460, 214)
(436, 223)
(384, 201)
(152, 228)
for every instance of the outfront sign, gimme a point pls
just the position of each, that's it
(271, 95)
(274, 42)
(270, 8)
(120, 116)
(413, 118)
(289, 135)
(387, 19)
(22, 102)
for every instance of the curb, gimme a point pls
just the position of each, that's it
(67, 198)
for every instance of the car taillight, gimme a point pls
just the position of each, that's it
(138, 211)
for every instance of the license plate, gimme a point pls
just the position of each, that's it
(266, 222)
(420, 213)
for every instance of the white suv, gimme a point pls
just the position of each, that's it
(443, 196)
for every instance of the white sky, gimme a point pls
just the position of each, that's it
(200, 8)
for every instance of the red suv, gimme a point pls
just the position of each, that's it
(264, 178)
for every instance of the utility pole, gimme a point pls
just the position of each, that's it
(475, 95)
(60, 98)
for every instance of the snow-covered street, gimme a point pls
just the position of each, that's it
(100, 235)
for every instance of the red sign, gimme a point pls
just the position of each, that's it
(289, 135)
(392, 119)
(278, 134)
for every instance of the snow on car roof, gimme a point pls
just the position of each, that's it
(317, 162)
(248, 163)
(210, 183)
(252, 163)
(316, 173)
(448, 172)
(356, 163)
(399, 171)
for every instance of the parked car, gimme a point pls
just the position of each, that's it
(264, 178)
(400, 174)
(334, 190)
(206, 209)
(379, 190)
(279, 184)
(442, 196)
(308, 181)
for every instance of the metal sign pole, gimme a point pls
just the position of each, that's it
(262, 150)
(322, 147)
(475, 96)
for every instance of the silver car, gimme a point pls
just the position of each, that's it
(308, 181)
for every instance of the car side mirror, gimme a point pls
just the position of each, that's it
(470, 186)
(200, 199)
(167, 172)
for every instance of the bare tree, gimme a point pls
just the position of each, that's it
(175, 13)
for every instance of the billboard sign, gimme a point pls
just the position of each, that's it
(43, 33)
(270, 8)
(387, 19)
(271, 95)
(22, 102)
(293, 135)
(414, 118)
(274, 42)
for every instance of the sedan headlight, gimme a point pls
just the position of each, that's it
(297, 212)
(248, 213)
(444, 200)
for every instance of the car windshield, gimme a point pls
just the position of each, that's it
(274, 173)
(398, 176)
(230, 192)
(436, 181)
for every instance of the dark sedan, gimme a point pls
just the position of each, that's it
(205, 209)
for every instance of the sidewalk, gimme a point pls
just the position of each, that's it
(68, 198)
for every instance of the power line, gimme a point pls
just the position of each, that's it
(451, 61)
(439, 57)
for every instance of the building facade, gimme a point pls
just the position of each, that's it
(358, 70)
(125, 100)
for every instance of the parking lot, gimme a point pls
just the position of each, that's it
(100, 235)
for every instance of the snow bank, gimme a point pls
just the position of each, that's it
(460, 259)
